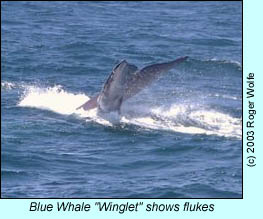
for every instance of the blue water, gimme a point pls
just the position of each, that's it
(180, 137)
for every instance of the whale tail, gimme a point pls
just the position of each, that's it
(147, 75)
(90, 104)
(124, 82)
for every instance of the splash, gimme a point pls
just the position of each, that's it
(53, 99)
(181, 118)
(7, 85)
(58, 100)
(191, 120)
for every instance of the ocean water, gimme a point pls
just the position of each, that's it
(178, 138)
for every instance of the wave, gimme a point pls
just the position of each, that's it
(53, 99)
(234, 62)
(182, 118)
(215, 67)
(5, 85)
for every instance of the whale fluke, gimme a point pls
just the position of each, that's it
(90, 104)
(124, 82)
(147, 75)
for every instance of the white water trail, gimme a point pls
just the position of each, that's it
(178, 118)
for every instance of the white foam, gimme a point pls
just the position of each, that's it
(237, 63)
(7, 85)
(186, 119)
(52, 98)
(181, 118)
(227, 97)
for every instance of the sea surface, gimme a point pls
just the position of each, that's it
(178, 138)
